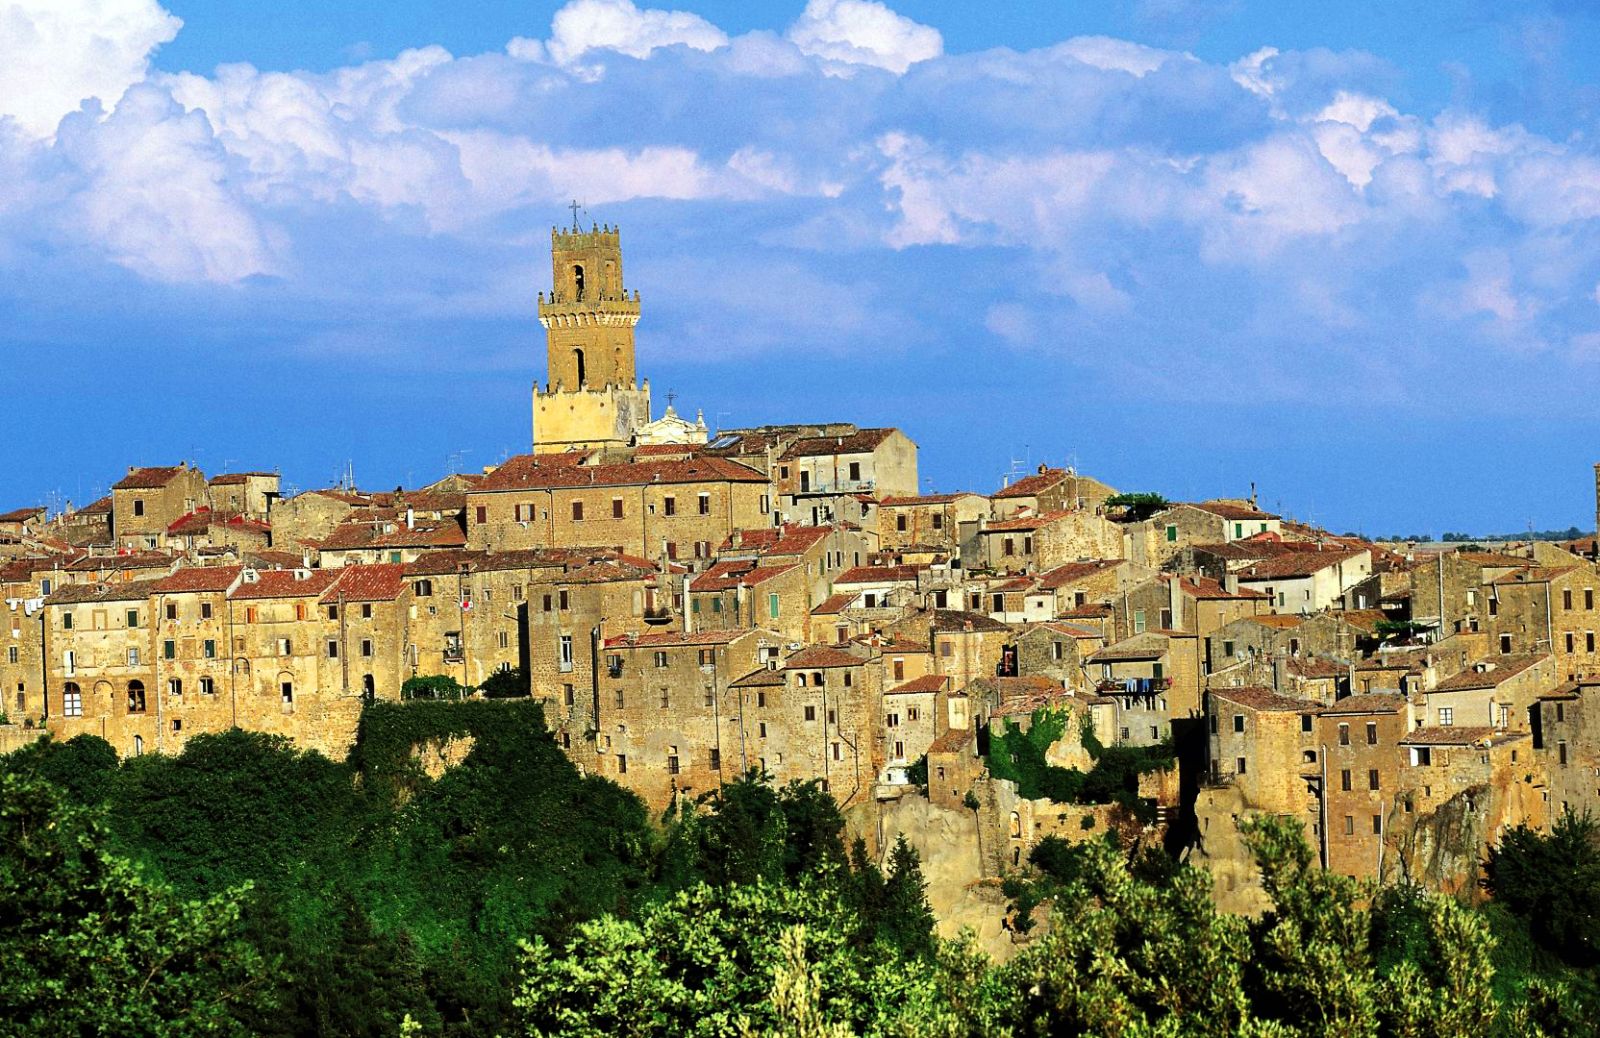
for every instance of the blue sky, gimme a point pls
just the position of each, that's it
(1350, 253)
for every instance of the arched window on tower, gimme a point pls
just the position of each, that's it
(577, 363)
(577, 283)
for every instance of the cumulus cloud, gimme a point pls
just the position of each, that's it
(844, 33)
(617, 25)
(56, 54)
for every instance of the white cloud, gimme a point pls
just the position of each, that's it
(1112, 55)
(1251, 72)
(55, 54)
(618, 25)
(156, 196)
(863, 32)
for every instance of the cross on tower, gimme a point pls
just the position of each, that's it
(671, 396)
(575, 206)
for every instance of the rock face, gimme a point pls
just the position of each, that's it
(947, 841)
(440, 755)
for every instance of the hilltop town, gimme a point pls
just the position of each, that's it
(689, 605)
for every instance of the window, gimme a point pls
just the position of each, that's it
(566, 653)
(666, 698)
(366, 610)
(622, 764)
(761, 697)
(1447, 716)
(1588, 641)
(716, 759)
(892, 721)
(705, 504)
(761, 729)
(1344, 735)
(286, 691)
(175, 686)
(672, 761)
(547, 603)
(1305, 722)
(811, 712)
(423, 588)
(1239, 765)
(1008, 547)
(1349, 825)
(1571, 642)
(138, 745)
(333, 650)
(1561, 753)
(616, 508)
(169, 649)
(619, 700)
(133, 618)
(133, 657)
(1505, 642)
(333, 612)
(1138, 621)
(1561, 711)
(669, 505)
(577, 511)
(1372, 778)
(561, 599)
(11, 654)
(661, 659)
(708, 657)
(172, 610)
(1238, 722)
(135, 697)
(366, 647)
(66, 621)
(207, 686)
(72, 700)
(1588, 598)
(285, 647)
(1344, 780)
(1372, 733)
(772, 608)
(1172, 534)
(138, 506)
(483, 514)
(900, 523)
(1566, 598)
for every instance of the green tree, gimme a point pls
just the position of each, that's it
(1554, 882)
(90, 946)
(906, 920)
(83, 766)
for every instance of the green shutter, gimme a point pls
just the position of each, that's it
(772, 605)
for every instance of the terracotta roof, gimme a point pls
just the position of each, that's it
(1072, 572)
(1298, 564)
(1371, 703)
(198, 578)
(1026, 522)
(1448, 735)
(952, 741)
(926, 683)
(432, 533)
(1032, 486)
(528, 472)
(763, 678)
(148, 478)
(1229, 510)
(834, 604)
(890, 645)
(379, 583)
(1088, 611)
(268, 559)
(859, 442)
(195, 522)
(820, 656)
(786, 540)
(1206, 589)
(1500, 670)
(909, 501)
(1314, 667)
(97, 563)
(650, 450)
(22, 570)
(1364, 619)
(1146, 646)
(1071, 630)
(879, 574)
(116, 591)
(22, 515)
(1257, 547)
(1491, 559)
(1257, 698)
(1281, 622)
(679, 639)
(955, 621)
(286, 583)
(229, 479)
(723, 576)
(100, 507)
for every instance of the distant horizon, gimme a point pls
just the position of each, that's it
(1351, 256)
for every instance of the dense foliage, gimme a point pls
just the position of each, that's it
(1137, 507)
(244, 887)
(1018, 752)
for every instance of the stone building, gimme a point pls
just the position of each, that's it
(1049, 490)
(1182, 526)
(25, 583)
(1155, 679)
(947, 521)
(1307, 581)
(1538, 609)
(816, 475)
(1496, 692)
(1266, 745)
(1037, 543)
(1197, 605)
(1447, 588)
(749, 593)
(250, 494)
(1567, 737)
(146, 501)
(1359, 739)
(653, 509)
(100, 664)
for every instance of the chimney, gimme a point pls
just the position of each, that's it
(411, 518)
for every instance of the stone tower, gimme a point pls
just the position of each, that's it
(593, 398)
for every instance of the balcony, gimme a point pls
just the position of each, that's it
(843, 486)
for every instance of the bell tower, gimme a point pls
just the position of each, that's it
(588, 316)
(593, 397)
